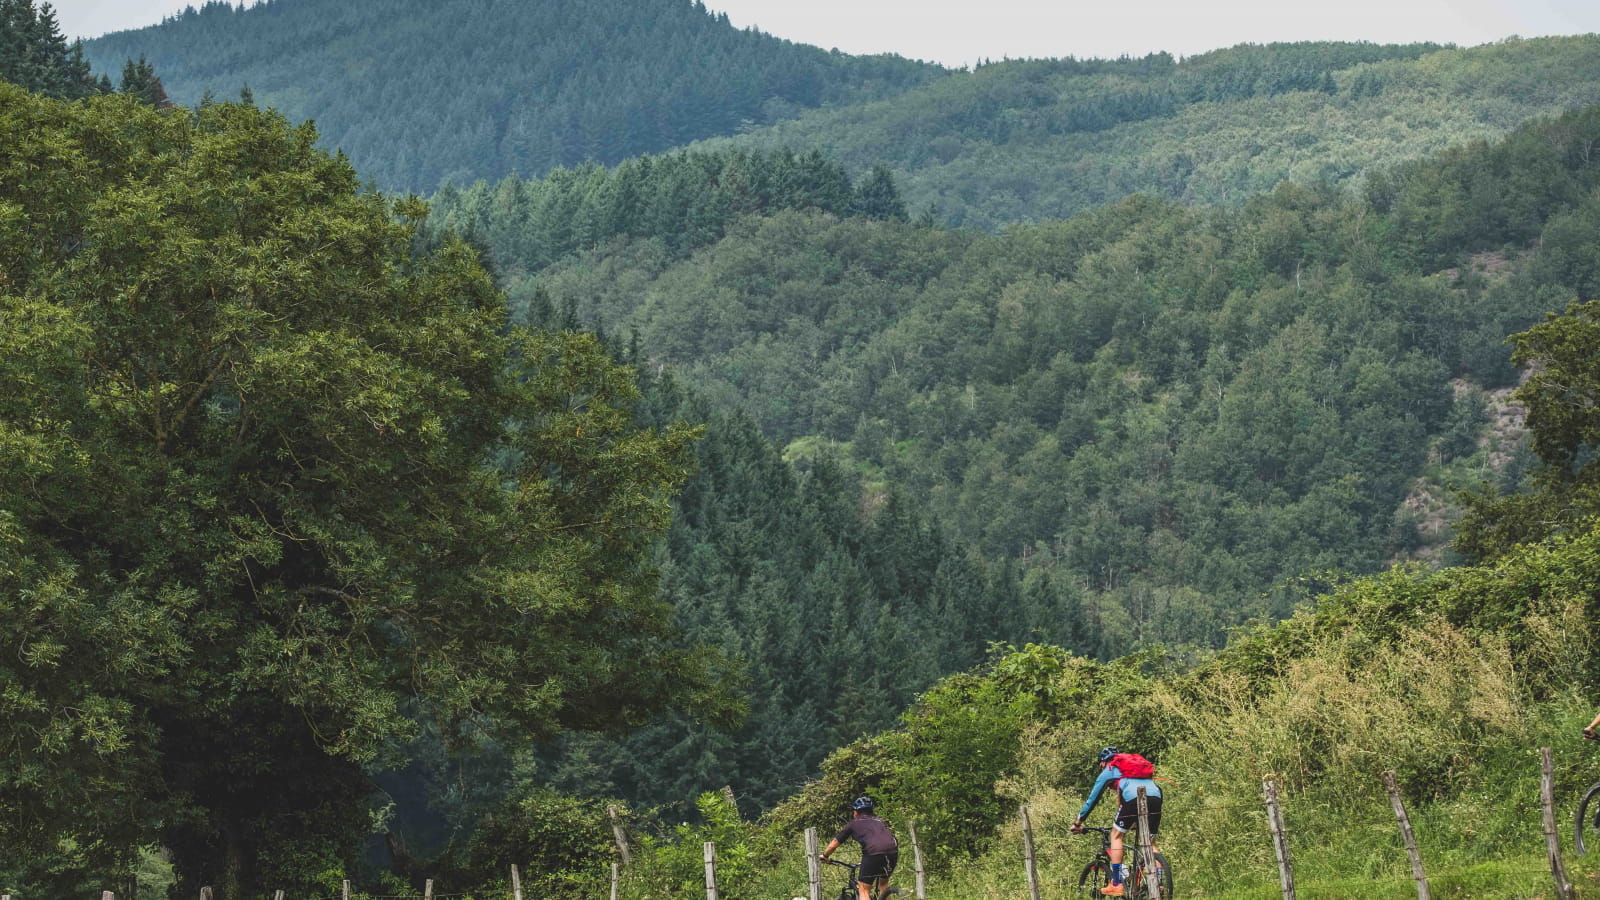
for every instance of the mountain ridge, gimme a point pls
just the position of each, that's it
(424, 93)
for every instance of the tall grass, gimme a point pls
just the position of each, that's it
(1458, 713)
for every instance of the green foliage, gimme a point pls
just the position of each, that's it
(673, 864)
(275, 490)
(1451, 679)
(421, 93)
(1562, 396)
(561, 843)
(1163, 413)
(35, 55)
(679, 202)
(1141, 426)
(139, 79)
(1034, 140)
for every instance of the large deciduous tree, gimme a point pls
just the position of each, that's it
(1562, 394)
(274, 489)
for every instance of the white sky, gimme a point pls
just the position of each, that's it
(960, 32)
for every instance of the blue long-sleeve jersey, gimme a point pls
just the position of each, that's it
(1129, 788)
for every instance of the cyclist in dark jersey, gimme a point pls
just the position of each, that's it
(880, 852)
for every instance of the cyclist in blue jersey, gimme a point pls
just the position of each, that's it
(1127, 784)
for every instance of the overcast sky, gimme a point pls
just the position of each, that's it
(960, 32)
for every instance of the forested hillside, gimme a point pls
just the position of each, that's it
(1135, 428)
(418, 92)
(1180, 407)
(310, 531)
(1448, 680)
(1045, 139)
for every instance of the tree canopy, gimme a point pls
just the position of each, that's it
(1036, 140)
(275, 491)
(35, 55)
(422, 92)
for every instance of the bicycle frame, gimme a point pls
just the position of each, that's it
(850, 891)
(1090, 880)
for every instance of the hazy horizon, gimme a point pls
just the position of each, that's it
(958, 33)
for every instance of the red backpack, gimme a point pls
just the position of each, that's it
(1132, 765)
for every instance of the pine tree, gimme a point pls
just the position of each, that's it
(139, 80)
(35, 55)
(877, 197)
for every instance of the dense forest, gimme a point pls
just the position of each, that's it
(422, 92)
(1138, 428)
(342, 536)
(1181, 407)
(1035, 140)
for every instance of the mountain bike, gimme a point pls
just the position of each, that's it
(1588, 830)
(848, 890)
(1097, 874)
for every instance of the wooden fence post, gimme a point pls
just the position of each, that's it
(733, 802)
(813, 866)
(1393, 787)
(1147, 850)
(1280, 841)
(427, 889)
(344, 892)
(107, 895)
(711, 871)
(1552, 839)
(1028, 861)
(616, 879)
(277, 895)
(205, 892)
(616, 832)
(916, 859)
(516, 883)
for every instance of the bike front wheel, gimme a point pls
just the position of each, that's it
(1095, 876)
(1589, 819)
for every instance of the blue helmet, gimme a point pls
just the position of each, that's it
(1107, 753)
(862, 803)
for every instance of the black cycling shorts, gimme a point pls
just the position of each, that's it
(877, 865)
(1128, 815)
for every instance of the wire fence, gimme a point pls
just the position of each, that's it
(1394, 867)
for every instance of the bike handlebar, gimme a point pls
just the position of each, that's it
(839, 862)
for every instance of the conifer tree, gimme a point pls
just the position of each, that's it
(35, 55)
(139, 80)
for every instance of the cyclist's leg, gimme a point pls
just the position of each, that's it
(892, 860)
(1154, 808)
(874, 874)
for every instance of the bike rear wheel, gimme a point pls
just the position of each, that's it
(1589, 819)
(1164, 873)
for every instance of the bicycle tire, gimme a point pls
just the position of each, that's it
(1588, 819)
(1165, 876)
(1095, 876)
